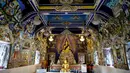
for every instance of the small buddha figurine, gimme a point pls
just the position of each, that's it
(65, 67)
(16, 51)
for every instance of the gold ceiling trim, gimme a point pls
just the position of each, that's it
(54, 7)
(86, 7)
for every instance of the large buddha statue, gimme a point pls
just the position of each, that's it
(65, 67)
(67, 54)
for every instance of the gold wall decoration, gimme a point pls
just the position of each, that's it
(26, 44)
(54, 1)
(64, 2)
(66, 8)
(66, 5)
(26, 57)
(78, 1)
(42, 43)
(93, 43)
(89, 44)
(59, 7)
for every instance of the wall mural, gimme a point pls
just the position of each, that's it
(5, 34)
(19, 34)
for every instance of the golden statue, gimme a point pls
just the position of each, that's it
(65, 67)
(90, 43)
(67, 54)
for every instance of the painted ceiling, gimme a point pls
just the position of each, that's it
(58, 14)
(63, 19)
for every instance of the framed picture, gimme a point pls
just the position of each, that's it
(81, 58)
(51, 58)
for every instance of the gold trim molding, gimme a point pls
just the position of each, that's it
(54, 7)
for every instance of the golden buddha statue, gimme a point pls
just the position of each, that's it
(67, 54)
(65, 67)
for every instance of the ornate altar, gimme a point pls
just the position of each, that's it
(57, 68)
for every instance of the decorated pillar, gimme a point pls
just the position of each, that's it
(114, 56)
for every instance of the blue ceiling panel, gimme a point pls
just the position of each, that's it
(63, 18)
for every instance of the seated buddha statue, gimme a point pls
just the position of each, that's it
(65, 67)
(66, 53)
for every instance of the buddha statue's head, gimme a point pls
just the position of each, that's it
(65, 61)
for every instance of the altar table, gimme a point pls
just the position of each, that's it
(72, 67)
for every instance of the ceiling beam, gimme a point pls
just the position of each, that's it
(34, 4)
(99, 4)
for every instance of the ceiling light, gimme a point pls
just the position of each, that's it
(96, 20)
(43, 30)
(51, 39)
(82, 38)
(36, 21)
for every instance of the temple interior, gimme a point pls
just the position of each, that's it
(67, 36)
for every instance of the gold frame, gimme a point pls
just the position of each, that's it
(49, 56)
(82, 54)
